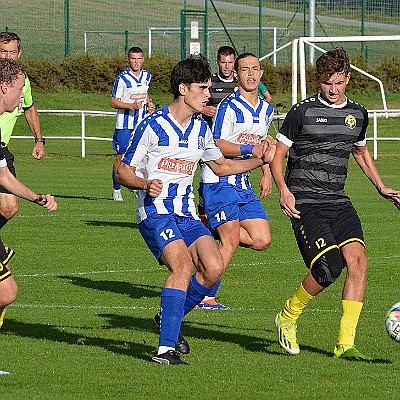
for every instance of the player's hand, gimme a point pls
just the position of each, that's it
(137, 105)
(390, 194)
(209, 111)
(265, 186)
(47, 202)
(38, 150)
(151, 107)
(288, 202)
(269, 149)
(258, 150)
(154, 187)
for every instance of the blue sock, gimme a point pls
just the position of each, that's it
(195, 294)
(214, 289)
(116, 185)
(172, 301)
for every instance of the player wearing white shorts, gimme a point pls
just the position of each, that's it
(130, 98)
(160, 162)
(240, 126)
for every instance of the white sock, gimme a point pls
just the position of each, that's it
(164, 349)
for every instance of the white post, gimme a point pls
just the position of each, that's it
(312, 27)
(83, 130)
(85, 41)
(303, 85)
(295, 45)
(275, 44)
(149, 42)
(375, 136)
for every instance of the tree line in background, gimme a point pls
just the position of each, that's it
(89, 74)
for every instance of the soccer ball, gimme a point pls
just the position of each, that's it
(392, 322)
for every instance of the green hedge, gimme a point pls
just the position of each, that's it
(89, 74)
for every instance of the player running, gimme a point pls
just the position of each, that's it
(321, 133)
(240, 126)
(161, 162)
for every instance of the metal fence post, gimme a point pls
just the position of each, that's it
(67, 42)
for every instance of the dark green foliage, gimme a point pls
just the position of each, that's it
(45, 76)
(88, 74)
(160, 67)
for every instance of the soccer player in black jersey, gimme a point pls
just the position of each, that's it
(320, 133)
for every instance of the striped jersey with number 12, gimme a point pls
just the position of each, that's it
(162, 149)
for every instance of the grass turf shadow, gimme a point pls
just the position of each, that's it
(59, 335)
(134, 291)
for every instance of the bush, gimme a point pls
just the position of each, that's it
(88, 74)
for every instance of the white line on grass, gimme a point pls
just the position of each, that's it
(44, 306)
(104, 307)
(160, 268)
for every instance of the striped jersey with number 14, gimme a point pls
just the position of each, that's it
(238, 121)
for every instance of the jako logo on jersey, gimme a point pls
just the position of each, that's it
(350, 121)
(184, 167)
(321, 120)
(201, 145)
(248, 138)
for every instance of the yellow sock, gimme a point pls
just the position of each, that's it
(2, 314)
(294, 306)
(348, 323)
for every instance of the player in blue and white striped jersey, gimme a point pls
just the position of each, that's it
(130, 97)
(160, 162)
(240, 125)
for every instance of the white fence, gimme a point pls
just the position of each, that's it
(374, 115)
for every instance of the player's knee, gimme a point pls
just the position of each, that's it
(328, 267)
(9, 211)
(261, 243)
(8, 292)
(214, 271)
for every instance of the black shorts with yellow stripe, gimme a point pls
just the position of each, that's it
(4, 271)
(325, 226)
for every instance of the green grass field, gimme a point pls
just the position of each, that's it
(82, 326)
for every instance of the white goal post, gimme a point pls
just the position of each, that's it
(298, 53)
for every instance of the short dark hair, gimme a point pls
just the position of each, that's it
(135, 49)
(225, 51)
(10, 70)
(7, 37)
(195, 69)
(332, 62)
(241, 56)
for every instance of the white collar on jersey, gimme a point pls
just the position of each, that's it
(225, 80)
(344, 104)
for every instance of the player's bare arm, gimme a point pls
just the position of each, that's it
(265, 182)
(119, 104)
(365, 161)
(127, 177)
(32, 118)
(230, 149)
(209, 111)
(224, 166)
(12, 184)
(286, 198)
